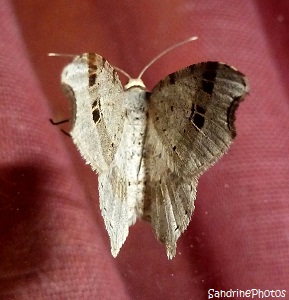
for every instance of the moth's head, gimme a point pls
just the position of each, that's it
(135, 82)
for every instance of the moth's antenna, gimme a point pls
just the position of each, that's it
(138, 81)
(60, 54)
(193, 38)
(123, 72)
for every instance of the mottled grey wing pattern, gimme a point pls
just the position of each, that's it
(190, 126)
(97, 108)
(105, 138)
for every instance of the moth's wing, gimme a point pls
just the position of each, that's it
(97, 108)
(114, 208)
(191, 125)
(97, 128)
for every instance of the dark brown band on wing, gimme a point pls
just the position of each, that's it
(197, 115)
(95, 111)
(231, 115)
(208, 76)
(172, 78)
(92, 67)
(114, 76)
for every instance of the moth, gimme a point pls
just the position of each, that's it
(150, 148)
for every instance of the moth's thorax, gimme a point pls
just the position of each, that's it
(136, 105)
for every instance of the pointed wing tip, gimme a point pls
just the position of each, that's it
(171, 251)
(170, 256)
(116, 244)
(114, 251)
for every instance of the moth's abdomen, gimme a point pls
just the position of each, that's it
(133, 140)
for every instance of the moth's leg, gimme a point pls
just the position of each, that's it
(58, 123)
(61, 122)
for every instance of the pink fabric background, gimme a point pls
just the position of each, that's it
(53, 244)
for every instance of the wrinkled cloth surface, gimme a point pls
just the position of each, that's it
(53, 244)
